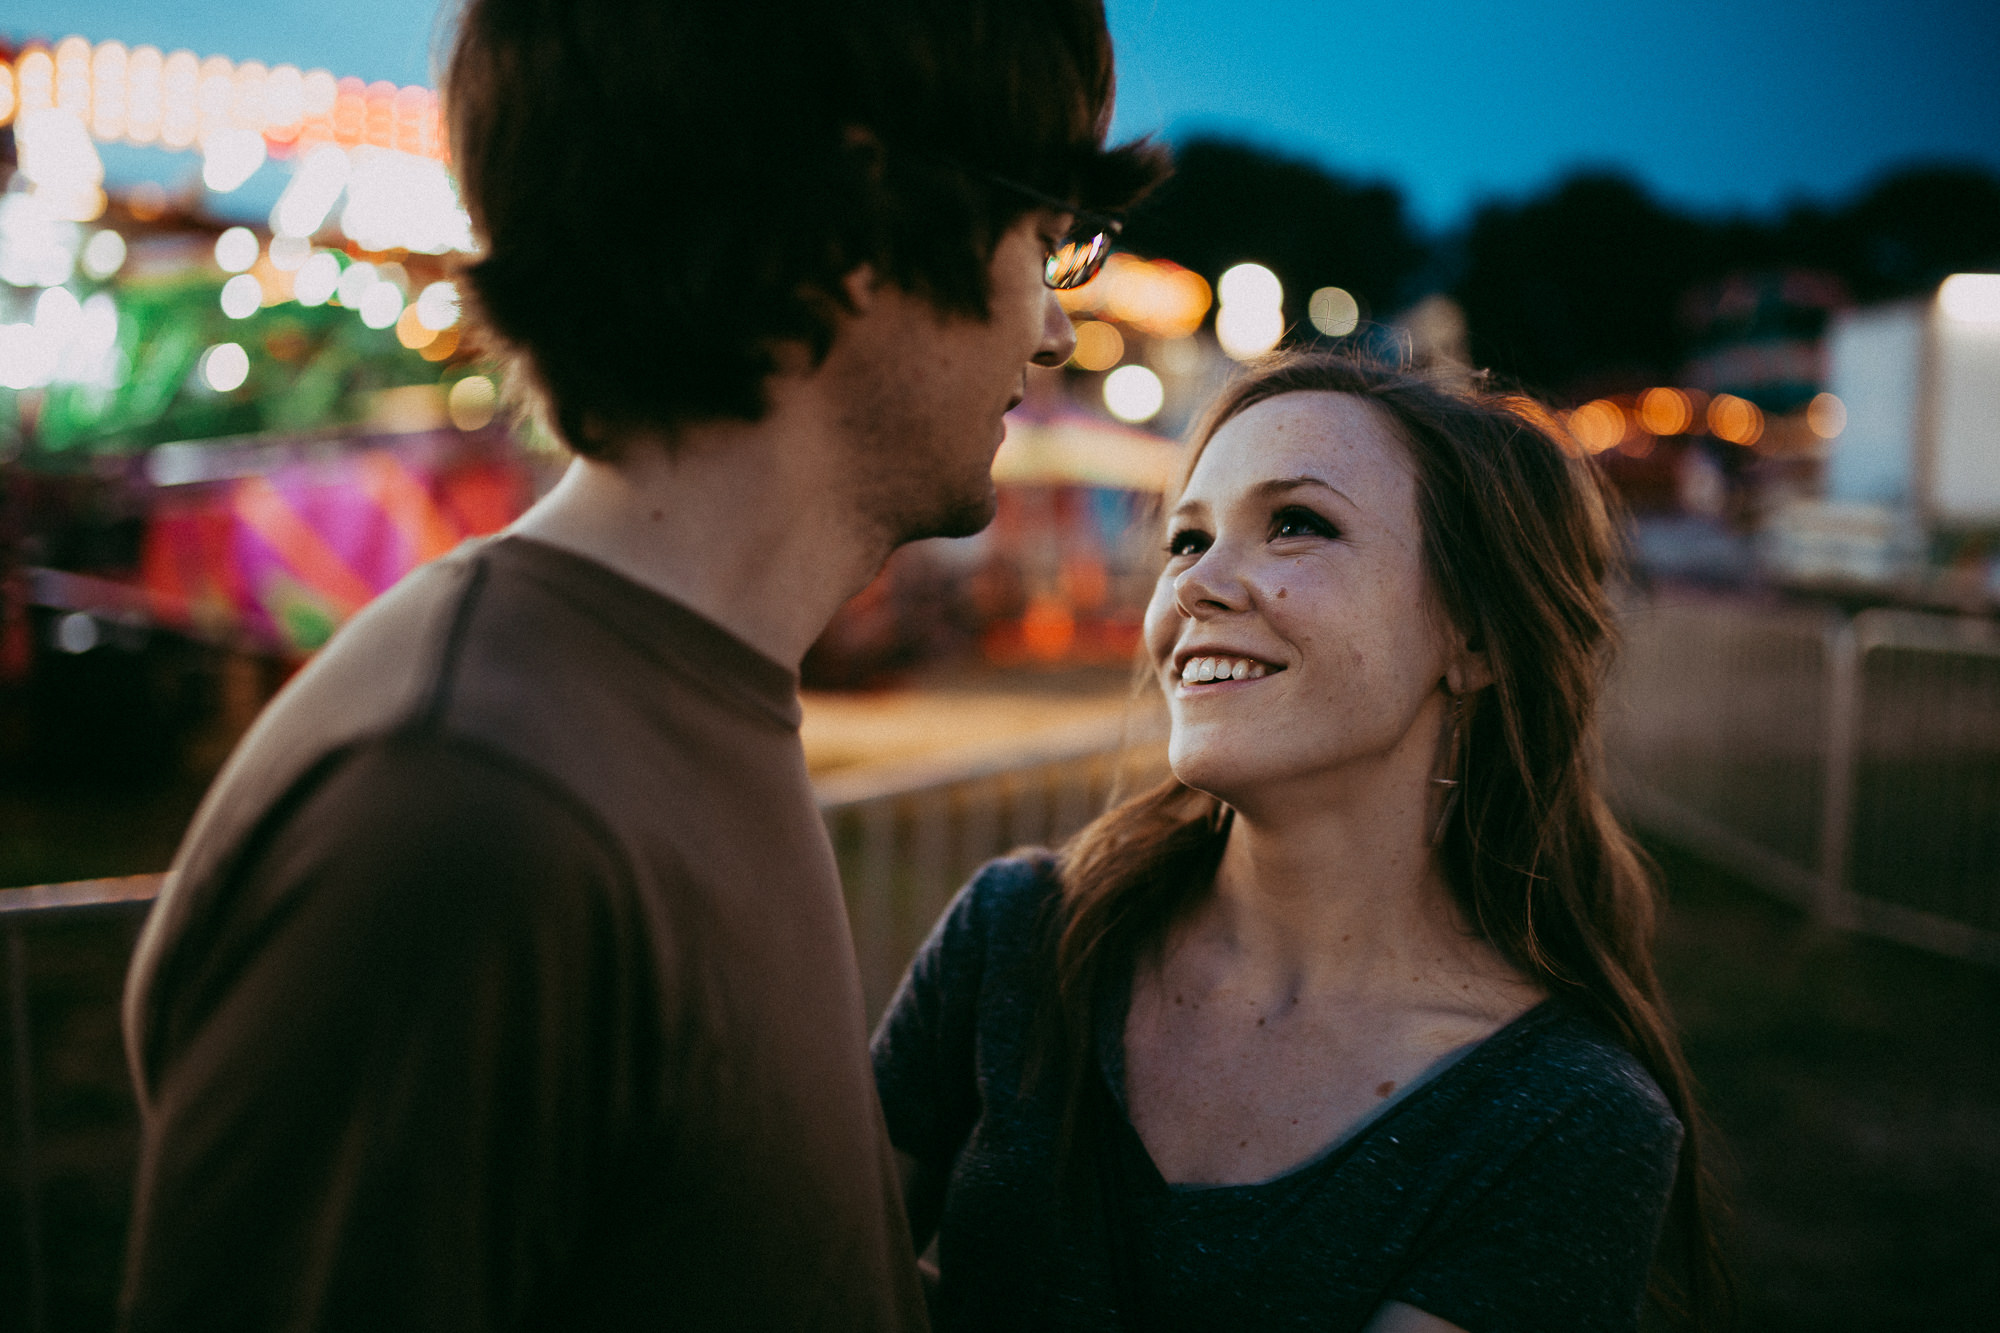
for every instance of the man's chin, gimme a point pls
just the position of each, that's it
(963, 519)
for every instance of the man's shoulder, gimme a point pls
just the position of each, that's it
(379, 673)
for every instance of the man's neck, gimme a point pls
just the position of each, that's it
(749, 524)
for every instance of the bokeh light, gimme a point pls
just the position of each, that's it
(411, 331)
(77, 633)
(103, 255)
(437, 306)
(1251, 318)
(381, 305)
(1334, 311)
(1598, 425)
(1665, 412)
(1973, 298)
(312, 192)
(317, 279)
(1250, 284)
(242, 296)
(230, 156)
(1134, 393)
(472, 402)
(224, 367)
(236, 249)
(288, 253)
(355, 281)
(1826, 416)
(441, 347)
(1737, 420)
(1099, 346)
(1246, 330)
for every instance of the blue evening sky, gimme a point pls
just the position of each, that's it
(1720, 105)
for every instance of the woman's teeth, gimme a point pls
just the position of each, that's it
(1222, 668)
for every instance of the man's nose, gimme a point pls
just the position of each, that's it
(1058, 334)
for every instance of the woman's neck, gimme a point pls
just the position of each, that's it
(1338, 906)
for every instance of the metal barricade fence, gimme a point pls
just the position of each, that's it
(906, 836)
(1849, 765)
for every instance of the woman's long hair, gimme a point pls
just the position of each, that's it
(1517, 540)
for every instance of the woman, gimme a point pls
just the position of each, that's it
(1352, 1024)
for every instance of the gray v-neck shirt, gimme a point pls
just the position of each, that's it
(1520, 1184)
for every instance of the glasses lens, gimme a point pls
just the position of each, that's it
(1076, 260)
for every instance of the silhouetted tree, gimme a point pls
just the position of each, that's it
(1916, 227)
(1229, 202)
(1582, 288)
(1582, 284)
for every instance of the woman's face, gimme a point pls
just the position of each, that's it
(1293, 628)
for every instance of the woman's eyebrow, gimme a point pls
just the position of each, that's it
(1279, 485)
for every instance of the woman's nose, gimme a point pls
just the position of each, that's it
(1212, 584)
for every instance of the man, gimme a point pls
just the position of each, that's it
(503, 979)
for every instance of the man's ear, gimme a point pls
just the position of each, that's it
(859, 286)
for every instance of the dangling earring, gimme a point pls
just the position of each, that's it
(1450, 782)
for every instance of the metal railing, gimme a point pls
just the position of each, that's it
(908, 835)
(1851, 765)
(905, 835)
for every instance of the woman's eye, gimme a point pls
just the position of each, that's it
(1188, 541)
(1296, 522)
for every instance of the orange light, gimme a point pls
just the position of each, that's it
(441, 346)
(318, 95)
(8, 99)
(1048, 629)
(412, 106)
(379, 127)
(147, 201)
(1826, 416)
(1598, 425)
(1737, 420)
(284, 106)
(1665, 412)
(1098, 346)
(350, 112)
(410, 330)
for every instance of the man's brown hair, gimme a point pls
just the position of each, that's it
(667, 190)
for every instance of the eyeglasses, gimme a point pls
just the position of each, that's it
(1079, 254)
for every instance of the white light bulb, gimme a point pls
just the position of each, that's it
(236, 249)
(242, 296)
(224, 367)
(1134, 393)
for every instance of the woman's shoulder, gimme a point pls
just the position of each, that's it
(1013, 891)
(1557, 1065)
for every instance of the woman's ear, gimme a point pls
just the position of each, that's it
(1468, 671)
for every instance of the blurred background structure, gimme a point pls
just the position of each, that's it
(1750, 256)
